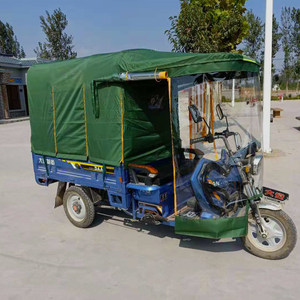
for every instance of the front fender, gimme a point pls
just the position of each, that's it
(270, 204)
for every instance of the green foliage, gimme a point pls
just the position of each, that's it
(285, 97)
(8, 41)
(288, 33)
(253, 41)
(286, 28)
(276, 37)
(208, 26)
(290, 24)
(58, 45)
(295, 38)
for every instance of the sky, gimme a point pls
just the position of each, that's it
(100, 26)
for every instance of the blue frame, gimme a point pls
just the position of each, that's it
(135, 198)
(138, 199)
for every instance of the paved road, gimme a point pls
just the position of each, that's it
(43, 256)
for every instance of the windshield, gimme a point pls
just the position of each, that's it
(237, 93)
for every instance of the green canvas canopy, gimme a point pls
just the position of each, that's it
(80, 109)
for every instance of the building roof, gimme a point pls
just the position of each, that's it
(11, 61)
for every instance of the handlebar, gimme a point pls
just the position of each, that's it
(198, 140)
(225, 133)
(210, 138)
(217, 135)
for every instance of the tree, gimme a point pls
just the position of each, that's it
(8, 41)
(208, 26)
(286, 29)
(58, 45)
(276, 37)
(295, 15)
(253, 41)
(295, 37)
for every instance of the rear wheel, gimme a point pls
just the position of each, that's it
(78, 207)
(280, 239)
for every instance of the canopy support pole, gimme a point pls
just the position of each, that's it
(172, 144)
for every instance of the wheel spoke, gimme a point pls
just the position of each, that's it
(271, 242)
(276, 234)
(273, 229)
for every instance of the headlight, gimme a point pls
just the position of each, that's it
(256, 164)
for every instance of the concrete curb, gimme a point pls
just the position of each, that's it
(14, 120)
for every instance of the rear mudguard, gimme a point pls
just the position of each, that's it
(61, 188)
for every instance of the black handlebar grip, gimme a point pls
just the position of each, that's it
(197, 140)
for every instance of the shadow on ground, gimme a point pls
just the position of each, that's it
(119, 218)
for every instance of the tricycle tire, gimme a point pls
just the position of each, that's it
(78, 207)
(290, 232)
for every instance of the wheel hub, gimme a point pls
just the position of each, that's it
(76, 207)
(264, 235)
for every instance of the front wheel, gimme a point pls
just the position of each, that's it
(281, 235)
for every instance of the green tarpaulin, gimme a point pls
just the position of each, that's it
(78, 110)
(212, 228)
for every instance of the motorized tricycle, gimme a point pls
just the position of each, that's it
(168, 138)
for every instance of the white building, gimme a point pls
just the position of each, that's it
(13, 90)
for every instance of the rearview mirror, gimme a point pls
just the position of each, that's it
(195, 113)
(219, 112)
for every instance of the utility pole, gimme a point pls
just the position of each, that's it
(267, 76)
(233, 90)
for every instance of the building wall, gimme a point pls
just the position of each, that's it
(17, 77)
(1, 105)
